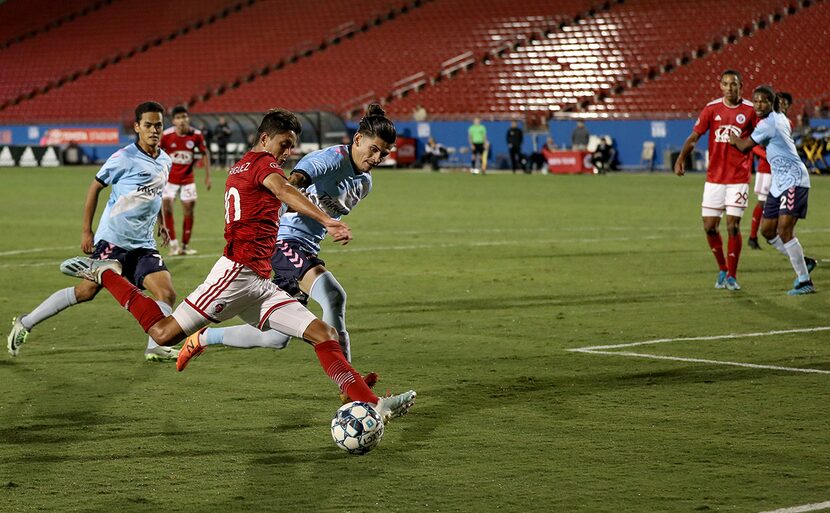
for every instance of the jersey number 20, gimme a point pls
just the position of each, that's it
(233, 192)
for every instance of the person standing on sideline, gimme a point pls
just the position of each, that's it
(477, 136)
(515, 137)
(181, 142)
(222, 132)
(580, 137)
(137, 174)
(727, 178)
(790, 186)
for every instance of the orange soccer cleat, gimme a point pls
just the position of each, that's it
(190, 349)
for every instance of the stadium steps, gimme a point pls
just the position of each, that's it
(22, 18)
(675, 88)
(397, 56)
(402, 101)
(178, 28)
(562, 70)
(215, 65)
(308, 49)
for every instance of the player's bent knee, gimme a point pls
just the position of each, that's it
(86, 291)
(318, 332)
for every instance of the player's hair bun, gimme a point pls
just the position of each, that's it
(375, 109)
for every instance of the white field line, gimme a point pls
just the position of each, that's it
(803, 508)
(369, 249)
(604, 350)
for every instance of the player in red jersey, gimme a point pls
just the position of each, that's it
(727, 178)
(763, 175)
(181, 142)
(238, 284)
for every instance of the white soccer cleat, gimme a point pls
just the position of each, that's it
(161, 354)
(395, 406)
(89, 269)
(175, 249)
(188, 251)
(17, 336)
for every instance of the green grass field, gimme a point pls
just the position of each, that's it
(470, 290)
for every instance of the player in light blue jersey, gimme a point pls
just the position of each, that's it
(137, 174)
(335, 179)
(790, 184)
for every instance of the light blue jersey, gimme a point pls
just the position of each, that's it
(335, 188)
(134, 203)
(788, 170)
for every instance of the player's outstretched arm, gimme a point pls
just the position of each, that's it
(297, 202)
(688, 147)
(90, 205)
(742, 144)
(206, 160)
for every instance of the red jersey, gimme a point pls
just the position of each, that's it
(252, 212)
(727, 164)
(181, 149)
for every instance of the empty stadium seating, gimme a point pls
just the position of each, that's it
(455, 57)
(590, 57)
(29, 16)
(789, 54)
(242, 44)
(85, 44)
(385, 58)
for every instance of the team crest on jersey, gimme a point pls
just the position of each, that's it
(189, 145)
(740, 118)
(218, 307)
(722, 133)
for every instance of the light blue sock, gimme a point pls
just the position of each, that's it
(212, 336)
(244, 336)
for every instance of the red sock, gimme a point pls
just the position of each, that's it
(734, 245)
(756, 221)
(170, 224)
(187, 227)
(716, 243)
(144, 309)
(341, 372)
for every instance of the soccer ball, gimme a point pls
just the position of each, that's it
(356, 427)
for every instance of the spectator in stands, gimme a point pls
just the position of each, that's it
(223, 136)
(433, 153)
(477, 136)
(515, 137)
(580, 137)
(419, 113)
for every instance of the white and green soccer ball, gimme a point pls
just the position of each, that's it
(356, 427)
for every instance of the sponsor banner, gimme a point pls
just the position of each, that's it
(86, 136)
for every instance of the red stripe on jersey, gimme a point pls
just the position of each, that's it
(218, 287)
(203, 314)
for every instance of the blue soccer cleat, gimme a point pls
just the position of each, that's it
(732, 283)
(805, 287)
(721, 283)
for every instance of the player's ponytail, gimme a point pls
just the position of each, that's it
(375, 124)
(769, 92)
